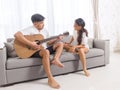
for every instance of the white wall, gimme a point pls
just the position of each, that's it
(110, 21)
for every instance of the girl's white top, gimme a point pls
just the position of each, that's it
(84, 39)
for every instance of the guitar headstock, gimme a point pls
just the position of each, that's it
(66, 33)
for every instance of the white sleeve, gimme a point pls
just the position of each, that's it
(25, 32)
(75, 35)
(47, 34)
(84, 39)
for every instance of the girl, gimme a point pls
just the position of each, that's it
(81, 36)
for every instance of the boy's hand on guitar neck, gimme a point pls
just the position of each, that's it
(35, 46)
(51, 42)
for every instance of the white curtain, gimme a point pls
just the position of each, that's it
(117, 46)
(2, 39)
(66, 11)
(16, 14)
(110, 22)
(60, 14)
(96, 26)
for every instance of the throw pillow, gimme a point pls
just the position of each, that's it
(10, 49)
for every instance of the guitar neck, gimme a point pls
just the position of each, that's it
(48, 39)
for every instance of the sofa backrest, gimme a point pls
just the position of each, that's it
(10, 39)
(11, 51)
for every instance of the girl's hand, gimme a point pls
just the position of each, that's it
(67, 43)
(72, 49)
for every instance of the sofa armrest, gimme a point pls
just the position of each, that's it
(105, 45)
(3, 58)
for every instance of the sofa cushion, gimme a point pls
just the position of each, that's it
(94, 52)
(65, 57)
(91, 54)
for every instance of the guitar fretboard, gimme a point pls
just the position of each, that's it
(48, 39)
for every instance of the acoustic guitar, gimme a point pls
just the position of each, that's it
(25, 51)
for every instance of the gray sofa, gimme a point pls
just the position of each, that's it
(14, 69)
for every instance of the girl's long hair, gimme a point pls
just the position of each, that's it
(81, 22)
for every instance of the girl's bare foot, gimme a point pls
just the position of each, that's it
(57, 63)
(52, 83)
(87, 73)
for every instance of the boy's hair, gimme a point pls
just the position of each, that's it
(37, 18)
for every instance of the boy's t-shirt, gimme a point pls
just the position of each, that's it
(31, 30)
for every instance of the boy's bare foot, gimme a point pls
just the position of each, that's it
(57, 63)
(52, 83)
(87, 73)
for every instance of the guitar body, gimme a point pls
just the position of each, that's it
(25, 51)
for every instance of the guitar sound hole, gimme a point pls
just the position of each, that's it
(37, 42)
